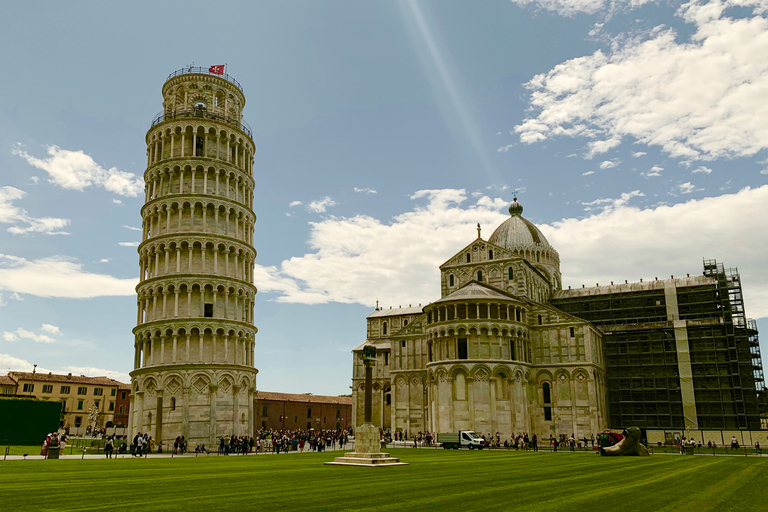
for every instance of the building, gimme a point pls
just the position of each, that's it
(287, 411)
(680, 352)
(194, 369)
(7, 385)
(506, 350)
(122, 405)
(77, 395)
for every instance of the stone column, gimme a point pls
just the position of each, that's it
(235, 411)
(492, 386)
(471, 399)
(212, 415)
(185, 410)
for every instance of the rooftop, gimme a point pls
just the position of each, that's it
(476, 290)
(312, 399)
(379, 313)
(657, 284)
(74, 379)
(203, 71)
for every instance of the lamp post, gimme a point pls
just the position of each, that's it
(369, 359)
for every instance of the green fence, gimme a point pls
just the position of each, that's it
(25, 421)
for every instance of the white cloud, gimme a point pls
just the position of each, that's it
(90, 371)
(365, 190)
(21, 333)
(59, 276)
(574, 7)
(607, 204)
(504, 149)
(630, 243)
(357, 259)
(294, 203)
(320, 205)
(654, 171)
(700, 97)
(128, 244)
(687, 188)
(34, 179)
(116, 201)
(701, 170)
(11, 214)
(638, 154)
(131, 228)
(14, 364)
(77, 171)
(105, 260)
(587, 173)
(609, 164)
(52, 329)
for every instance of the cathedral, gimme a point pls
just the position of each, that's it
(505, 349)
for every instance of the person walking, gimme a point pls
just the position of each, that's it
(109, 445)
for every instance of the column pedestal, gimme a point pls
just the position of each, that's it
(367, 451)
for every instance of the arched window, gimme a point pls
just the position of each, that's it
(384, 328)
(450, 280)
(480, 275)
(511, 273)
(547, 394)
(490, 254)
(405, 322)
(469, 258)
(540, 320)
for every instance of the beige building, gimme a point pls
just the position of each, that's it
(7, 385)
(194, 369)
(491, 355)
(77, 395)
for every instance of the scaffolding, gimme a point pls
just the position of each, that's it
(730, 280)
(641, 357)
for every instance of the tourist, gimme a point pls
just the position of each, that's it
(108, 447)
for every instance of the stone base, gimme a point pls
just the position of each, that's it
(367, 460)
(367, 439)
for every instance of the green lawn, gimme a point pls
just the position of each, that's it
(434, 480)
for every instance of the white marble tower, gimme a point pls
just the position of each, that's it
(194, 369)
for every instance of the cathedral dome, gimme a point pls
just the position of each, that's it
(519, 234)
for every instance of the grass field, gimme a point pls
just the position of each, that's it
(434, 480)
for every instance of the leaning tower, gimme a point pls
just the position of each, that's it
(193, 362)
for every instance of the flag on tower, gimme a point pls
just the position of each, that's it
(218, 69)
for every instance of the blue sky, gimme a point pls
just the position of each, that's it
(635, 133)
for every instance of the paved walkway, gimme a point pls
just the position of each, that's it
(76, 454)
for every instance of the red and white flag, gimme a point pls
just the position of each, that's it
(218, 69)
